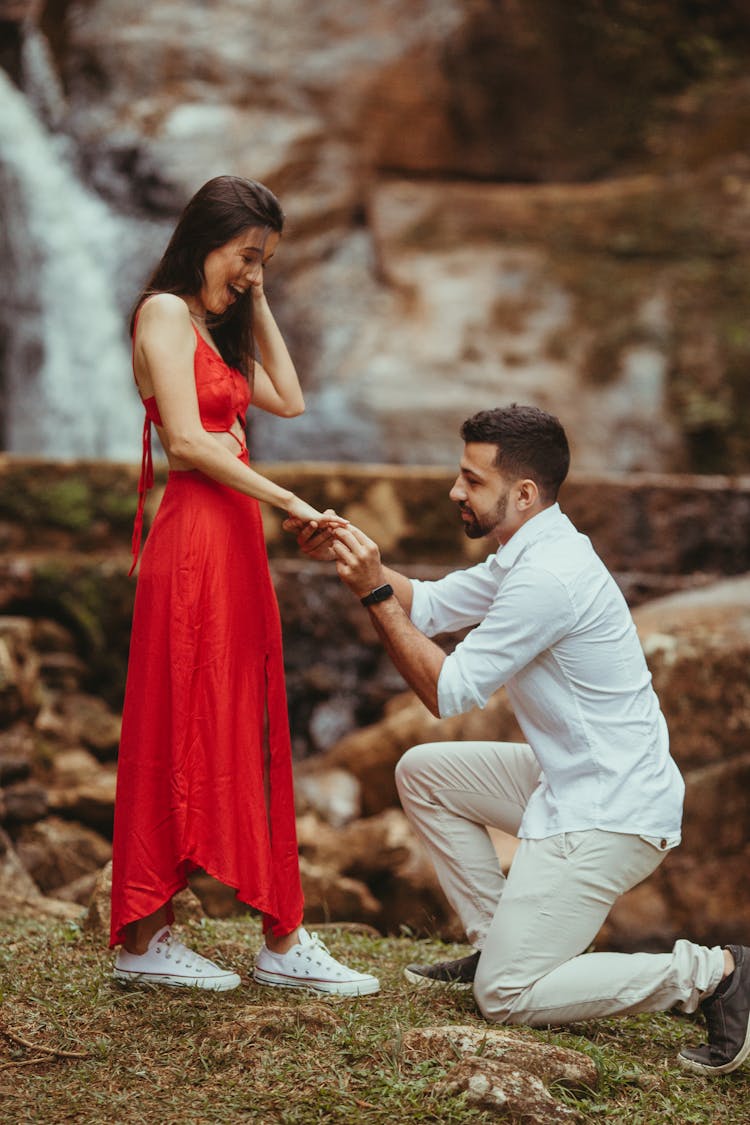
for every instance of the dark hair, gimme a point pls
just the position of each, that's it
(218, 212)
(530, 443)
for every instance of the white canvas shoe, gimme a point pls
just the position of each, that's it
(167, 961)
(310, 965)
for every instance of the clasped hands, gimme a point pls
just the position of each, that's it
(357, 557)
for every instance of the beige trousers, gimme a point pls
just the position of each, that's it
(534, 926)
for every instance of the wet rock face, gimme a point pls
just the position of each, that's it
(608, 283)
(498, 90)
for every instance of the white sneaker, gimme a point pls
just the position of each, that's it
(167, 961)
(310, 965)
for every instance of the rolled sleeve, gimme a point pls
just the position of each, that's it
(420, 605)
(455, 692)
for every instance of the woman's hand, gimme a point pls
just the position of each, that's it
(314, 541)
(303, 512)
(256, 284)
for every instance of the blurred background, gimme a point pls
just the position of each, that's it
(488, 201)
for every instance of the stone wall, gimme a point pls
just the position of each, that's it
(639, 522)
(65, 532)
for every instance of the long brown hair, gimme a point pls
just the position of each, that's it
(218, 212)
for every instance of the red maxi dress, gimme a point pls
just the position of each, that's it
(204, 776)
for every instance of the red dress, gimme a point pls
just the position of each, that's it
(204, 775)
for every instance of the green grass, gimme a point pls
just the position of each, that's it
(264, 1055)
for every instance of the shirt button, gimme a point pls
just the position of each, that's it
(663, 844)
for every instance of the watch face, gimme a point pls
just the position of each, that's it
(379, 594)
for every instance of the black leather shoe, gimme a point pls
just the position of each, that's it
(451, 974)
(728, 1023)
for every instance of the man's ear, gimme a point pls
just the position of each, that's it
(527, 494)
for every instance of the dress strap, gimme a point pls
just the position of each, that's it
(145, 482)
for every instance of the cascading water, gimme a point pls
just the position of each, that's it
(64, 353)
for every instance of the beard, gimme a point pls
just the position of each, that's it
(476, 527)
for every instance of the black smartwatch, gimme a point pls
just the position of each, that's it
(379, 594)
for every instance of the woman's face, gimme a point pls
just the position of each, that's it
(230, 271)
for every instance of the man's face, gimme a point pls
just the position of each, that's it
(482, 494)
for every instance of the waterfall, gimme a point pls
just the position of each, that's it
(64, 352)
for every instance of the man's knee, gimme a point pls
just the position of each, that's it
(495, 1002)
(412, 765)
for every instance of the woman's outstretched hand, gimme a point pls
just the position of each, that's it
(315, 535)
(303, 512)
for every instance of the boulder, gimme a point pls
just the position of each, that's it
(14, 878)
(61, 671)
(697, 645)
(216, 899)
(74, 767)
(504, 1070)
(90, 801)
(383, 854)
(91, 723)
(500, 1088)
(25, 802)
(19, 894)
(331, 896)
(19, 670)
(518, 1047)
(96, 920)
(57, 852)
(73, 718)
(16, 753)
(79, 890)
(335, 794)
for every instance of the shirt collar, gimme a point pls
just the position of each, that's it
(529, 532)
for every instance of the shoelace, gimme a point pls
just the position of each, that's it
(180, 954)
(324, 960)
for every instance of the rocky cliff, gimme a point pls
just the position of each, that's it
(487, 200)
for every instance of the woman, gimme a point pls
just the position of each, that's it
(204, 773)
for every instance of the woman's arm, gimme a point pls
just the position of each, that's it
(164, 361)
(276, 386)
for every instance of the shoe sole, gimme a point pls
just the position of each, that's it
(430, 982)
(726, 1068)
(208, 984)
(328, 988)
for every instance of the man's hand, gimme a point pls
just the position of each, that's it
(314, 541)
(357, 560)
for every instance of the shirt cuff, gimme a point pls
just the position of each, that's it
(454, 696)
(420, 605)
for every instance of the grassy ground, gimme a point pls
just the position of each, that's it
(263, 1055)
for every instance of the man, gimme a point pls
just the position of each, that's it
(593, 795)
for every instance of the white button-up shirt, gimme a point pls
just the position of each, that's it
(554, 628)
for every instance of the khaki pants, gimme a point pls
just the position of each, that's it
(534, 926)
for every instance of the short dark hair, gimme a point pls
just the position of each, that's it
(530, 443)
(218, 212)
